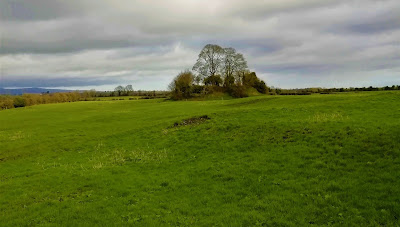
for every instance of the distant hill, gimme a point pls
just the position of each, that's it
(20, 91)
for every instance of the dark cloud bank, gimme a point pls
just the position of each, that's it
(289, 43)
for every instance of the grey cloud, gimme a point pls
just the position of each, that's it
(24, 10)
(382, 19)
(70, 35)
(44, 81)
(380, 25)
(303, 68)
(13, 47)
(95, 43)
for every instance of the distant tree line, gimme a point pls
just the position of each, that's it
(309, 91)
(128, 91)
(217, 70)
(16, 101)
(10, 101)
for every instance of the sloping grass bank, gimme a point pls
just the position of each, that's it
(268, 160)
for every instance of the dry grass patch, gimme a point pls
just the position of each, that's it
(324, 117)
(120, 157)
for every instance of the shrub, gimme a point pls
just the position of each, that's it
(229, 81)
(6, 102)
(214, 80)
(213, 89)
(238, 91)
(197, 89)
(261, 87)
(250, 79)
(19, 102)
(181, 86)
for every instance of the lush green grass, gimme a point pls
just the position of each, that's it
(117, 98)
(120, 98)
(268, 160)
(113, 98)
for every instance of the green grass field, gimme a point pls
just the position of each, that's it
(259, 161)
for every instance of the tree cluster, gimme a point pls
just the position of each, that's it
(128, 91)
(124, 91)
(217, 69)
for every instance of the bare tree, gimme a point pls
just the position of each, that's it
(233, 62)
(239, 75)
(120, 90)
(92, 93)
(209, 61)
(129, 90)
(197, 79)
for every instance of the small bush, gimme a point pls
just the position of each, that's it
(19, 102)
(261, 87)
(197, 89)
(6, 102)
(181, 86)
(213, 89)
(238, 91)
(214, 80)
(229, 81)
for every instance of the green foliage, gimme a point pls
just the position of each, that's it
(6, 102)
(184, 87)
(9, 102)
(214, 80)
(250, 79)
(325, 160)
(238, 91)
(19, 102)
(261, 87)
(197, 89)
(214, 59)
(181, 86)
(229, 81)
(307, 91)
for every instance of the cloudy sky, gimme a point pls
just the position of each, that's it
(289, 43)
